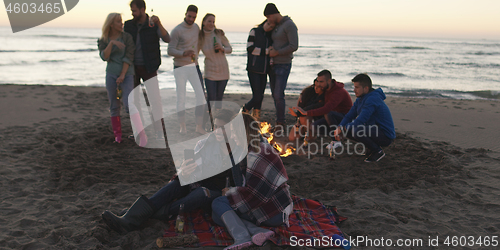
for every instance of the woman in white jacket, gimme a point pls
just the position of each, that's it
(215, 46)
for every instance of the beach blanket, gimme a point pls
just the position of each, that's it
(310, 220)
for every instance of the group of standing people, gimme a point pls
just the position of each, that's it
(132, 51)
(270, 50)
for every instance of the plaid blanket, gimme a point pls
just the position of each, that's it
(310, 220)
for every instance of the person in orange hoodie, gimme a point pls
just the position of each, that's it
(338, 102)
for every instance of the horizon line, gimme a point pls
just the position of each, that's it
(452, 37)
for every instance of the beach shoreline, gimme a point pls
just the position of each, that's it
(60, 170)
(463, 123)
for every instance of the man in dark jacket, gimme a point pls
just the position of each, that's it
(369, 121)
(147, 32)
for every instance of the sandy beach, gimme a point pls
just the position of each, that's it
(59, 170)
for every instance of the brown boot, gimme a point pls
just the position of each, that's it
(256, 114)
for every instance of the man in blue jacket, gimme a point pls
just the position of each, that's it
(369, 121)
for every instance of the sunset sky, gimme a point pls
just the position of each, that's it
(478, 19)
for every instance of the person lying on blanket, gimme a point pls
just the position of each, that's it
(164, 204)
(263, 198)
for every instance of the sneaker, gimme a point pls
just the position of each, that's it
(376, 156)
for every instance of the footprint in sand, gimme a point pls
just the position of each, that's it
(453, 125)
(428, 122)
(457, 107)
(406, 120)
(480, 128)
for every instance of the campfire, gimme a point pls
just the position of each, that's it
(265, 130)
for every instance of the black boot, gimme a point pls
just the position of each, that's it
(139, 212)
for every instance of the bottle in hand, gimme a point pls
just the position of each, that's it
(151, 23)
(119, 92)
(215, 42)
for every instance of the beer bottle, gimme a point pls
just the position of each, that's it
(179, 222)
(215, 42)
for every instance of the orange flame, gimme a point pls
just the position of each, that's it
(270, 139)
(288, 152)
(278, 147)
(265, 129)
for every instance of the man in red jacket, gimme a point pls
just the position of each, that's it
(338, 102)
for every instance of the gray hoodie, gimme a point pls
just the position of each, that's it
(285, 40)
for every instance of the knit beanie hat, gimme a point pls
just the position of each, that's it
(270, 9)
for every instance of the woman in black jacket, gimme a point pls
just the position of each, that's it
(258, 64)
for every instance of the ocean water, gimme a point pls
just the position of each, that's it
(409, 67)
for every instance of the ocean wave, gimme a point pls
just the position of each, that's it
(490, 45)
(64, 36)
(488, 94)
(55, 50)
(409, 47)
(311, 47)
(380, 74)
(481, 53)
(51, 61)
(20, 63)
(476, 65)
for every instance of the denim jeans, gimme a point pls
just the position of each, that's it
(258, 84)
(333, 118)
(127, 85)
(215, 89)
(174, 194)
(193, 74)
(221, 205)
(278, 78)
(370, 135)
